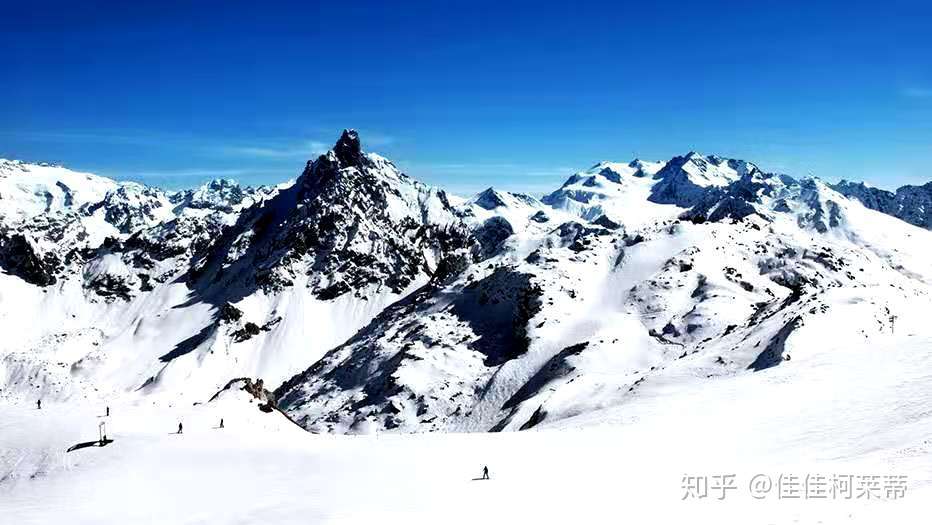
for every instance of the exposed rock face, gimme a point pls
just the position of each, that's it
(607, 187)
(255, 388)
(348, 150)
(222, 195)
(230, 313)
(352, 222)
(687, 180)
(391, 308)
(497, 308)
(492, 234)
(18, 257)
(81, 218)
(361, 378)
(915, 205)
(132, 207)
(491, 199)
(734, 201)
(607, 223)
(873, 198)
(912, 204)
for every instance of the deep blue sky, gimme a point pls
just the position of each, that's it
(467, 94)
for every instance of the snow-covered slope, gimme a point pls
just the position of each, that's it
(184, 291)
(370, 301)
(694, 313)
(628, 462)
(912, 204)
(29, 190)
(720, 279)
(612, 189)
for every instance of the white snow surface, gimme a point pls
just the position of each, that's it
(28, 190)
(818, 419)
(780, 329)
(616, 190)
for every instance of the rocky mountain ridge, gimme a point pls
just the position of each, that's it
(372, 302)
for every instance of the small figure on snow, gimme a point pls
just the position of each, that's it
(221, 422)
(108, 411)
(485, 472)
(179, 427)
(38, 404)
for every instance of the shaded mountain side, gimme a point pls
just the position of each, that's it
(912, 204)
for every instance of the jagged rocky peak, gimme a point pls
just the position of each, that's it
(369, 183)
(645, 168)
(346, 153)
(687, 179)
(348, 149)
(706, 170)
(131, 206)
(338, 173)
(218, 194)
(873, 198)
(617, 172)
(915, 204)
(603, 176)
(491, 199)
(912, 204)
(352, 223)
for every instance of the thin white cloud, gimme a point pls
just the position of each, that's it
(191, 172)
(184, 176)
(98, 137)
(489, 169)
(303, 150)
(260, 148)
(917, 92)
(375, 139)
(467, 191)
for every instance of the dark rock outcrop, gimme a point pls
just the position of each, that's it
(18, 257)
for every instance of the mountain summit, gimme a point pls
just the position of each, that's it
(348, 149)
(370, 301)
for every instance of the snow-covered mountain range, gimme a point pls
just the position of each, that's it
(368, 301)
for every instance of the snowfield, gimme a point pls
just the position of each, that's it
(618, 464)
(694, 340)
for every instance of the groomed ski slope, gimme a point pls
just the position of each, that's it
(852, 409)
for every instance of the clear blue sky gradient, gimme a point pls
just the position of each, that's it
(467, 94)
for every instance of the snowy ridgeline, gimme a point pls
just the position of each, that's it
(368, 302)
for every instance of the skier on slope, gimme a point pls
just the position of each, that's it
(221, 422)
(485, 472)
(179, 427)
(38, 404)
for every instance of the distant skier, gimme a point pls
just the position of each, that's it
(38, 404)
(179, 427)
(221, 422)
(108, 411)
(485, 472)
